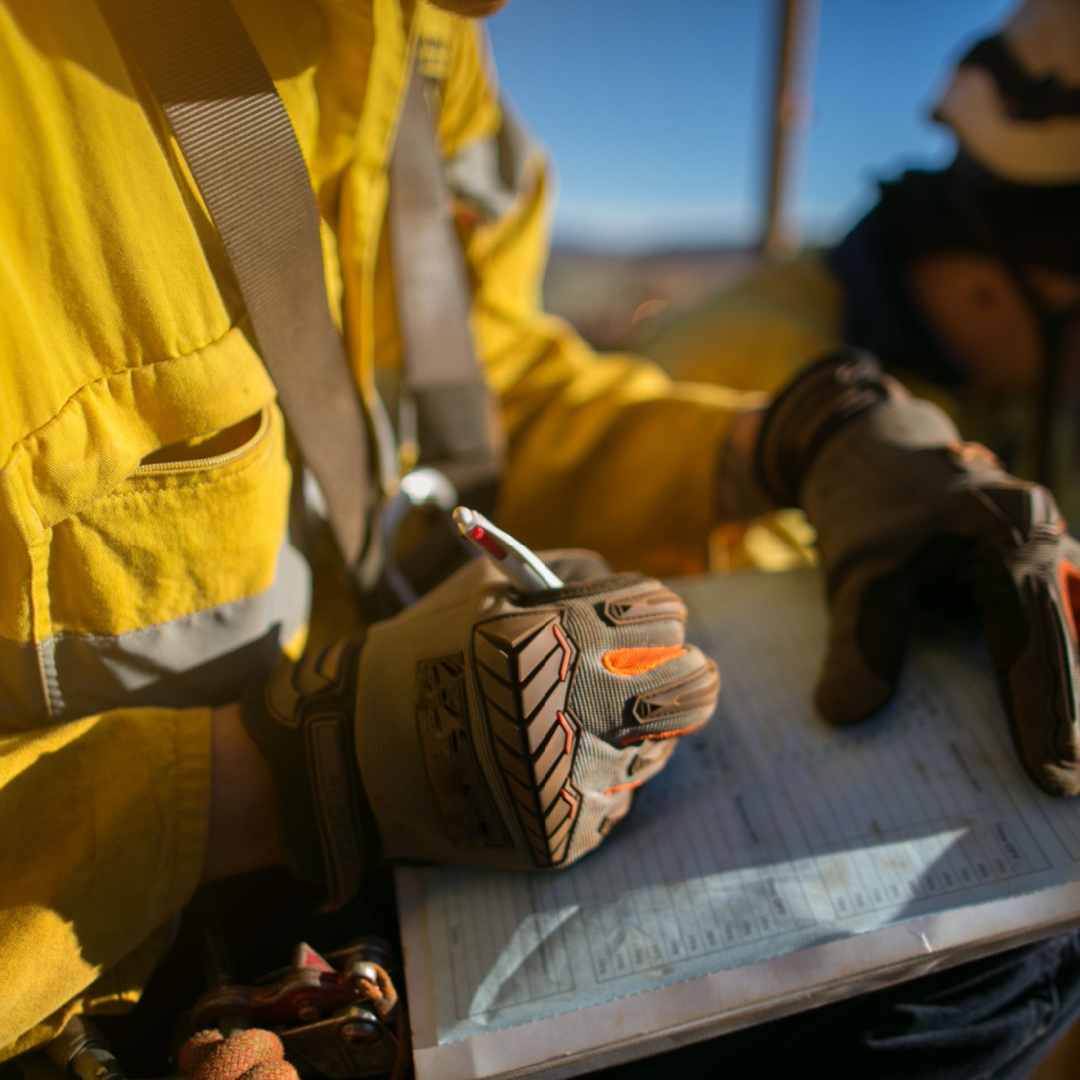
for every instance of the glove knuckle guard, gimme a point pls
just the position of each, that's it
(508, 731)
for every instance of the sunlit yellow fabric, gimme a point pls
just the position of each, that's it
(755, 335)
(122, 333)
(104, 831)
(605, 451)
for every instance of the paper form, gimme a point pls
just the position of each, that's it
(767, 833)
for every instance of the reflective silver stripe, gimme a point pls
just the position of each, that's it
(203, 658)
(490, 173)
(473, 174)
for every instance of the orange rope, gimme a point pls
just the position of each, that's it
(253, 1054)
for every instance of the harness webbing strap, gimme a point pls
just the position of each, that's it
(457, 422)
(236, 138)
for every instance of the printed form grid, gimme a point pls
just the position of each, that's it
(763, 834)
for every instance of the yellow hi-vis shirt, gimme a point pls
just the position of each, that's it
(145, 566)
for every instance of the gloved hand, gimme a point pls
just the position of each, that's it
(481, 726)
(902, 508)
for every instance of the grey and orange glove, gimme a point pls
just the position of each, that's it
(481, 726)
(905, 510)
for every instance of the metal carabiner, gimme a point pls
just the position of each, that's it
(419, 488)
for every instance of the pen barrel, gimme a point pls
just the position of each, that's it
(524, 576)
(522, 567)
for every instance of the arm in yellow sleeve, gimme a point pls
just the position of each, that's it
(757, 333)
(103, 825)
(606, 451)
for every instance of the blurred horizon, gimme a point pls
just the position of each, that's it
(658, 123)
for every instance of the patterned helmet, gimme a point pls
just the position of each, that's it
(1014, 99)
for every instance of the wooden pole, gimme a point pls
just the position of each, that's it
(796, 30)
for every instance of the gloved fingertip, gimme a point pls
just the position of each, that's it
(1040, 693)
(1049, 751)
(1056, 777)
(853, 695)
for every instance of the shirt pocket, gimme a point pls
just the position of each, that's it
(178, 585)
(174, 538)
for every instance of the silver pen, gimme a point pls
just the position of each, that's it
(521, 566)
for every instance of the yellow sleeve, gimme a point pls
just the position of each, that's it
(104, 824)
(606, 451)
(757, 333)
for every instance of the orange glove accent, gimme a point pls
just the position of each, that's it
(630, 662)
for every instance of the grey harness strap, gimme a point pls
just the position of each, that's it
(236, 137)
(457, 425)
(221, 105)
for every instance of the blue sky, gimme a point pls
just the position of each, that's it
(655, 111)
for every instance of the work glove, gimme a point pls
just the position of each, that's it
(906, 511)
(481, 726)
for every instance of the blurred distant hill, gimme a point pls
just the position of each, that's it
(613, 300)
